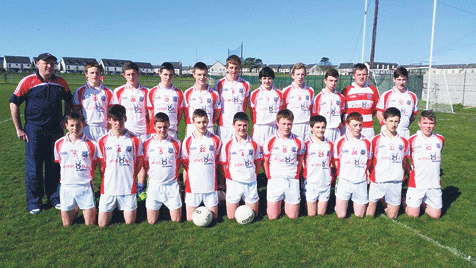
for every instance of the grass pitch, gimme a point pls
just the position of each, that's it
(40, 241)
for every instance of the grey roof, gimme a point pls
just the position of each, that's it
(176, 64)
(113, 62)
(288, 66)
(346, 65)
(17, 59)
(78, 61)
(455, 66)
(144, 65)
(274, 66)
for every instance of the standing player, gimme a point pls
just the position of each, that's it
(283, 158)
(265, 103)
(318, 161)
(200, 152)
(362, 98)
(201, 96)
(352, 156)
(161, 160)
(403, 99)
(92, 101)
(121, 156)
(424, 184)
(330, 104)
(133, 96)
(234, 92)
(298, 98)
(240, 160)
(77, 156)
(389, 158)
(166, 98)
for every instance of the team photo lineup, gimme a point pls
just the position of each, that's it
(309, 143)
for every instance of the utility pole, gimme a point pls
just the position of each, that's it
(374, 36)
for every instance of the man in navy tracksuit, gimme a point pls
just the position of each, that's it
(43, 94)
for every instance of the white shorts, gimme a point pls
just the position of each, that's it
(357, 191)
(191, 128)
(283, 188)
(208, 199)
(235, 191)
(314, 192)
(167, 194)
(332, 134)
(261, 132)
(368, 132)
(302, 130)
(392, 191)
(225, 133)
(433, 197)
(94, 132)
(127, 202)
(76, 195)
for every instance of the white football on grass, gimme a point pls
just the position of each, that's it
(202, 216)
(244, 214)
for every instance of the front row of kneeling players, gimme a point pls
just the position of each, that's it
(356, 161)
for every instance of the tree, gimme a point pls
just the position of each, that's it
(252, 63)
(325, 61)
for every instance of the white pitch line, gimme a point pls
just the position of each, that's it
(9, 119)
(456, 252)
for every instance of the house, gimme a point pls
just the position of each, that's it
(455, 68)
(145, 68)
(33, 64)
(177, 67)
(112, 66)
(74, 65)
(187, 70)
(217, 69)
(275, 67)
(285, 69)
(346, 68)
(17, 64)
(380, 68)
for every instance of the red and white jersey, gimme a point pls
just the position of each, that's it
(207, 100)
(77, 161)
(234, 98)
(406, 102)
(331, 106)
(239, 159)
(265, 105)
(166, 100)
(199, 156)
(388, 155)
(161, 159)
(361, 100)
(352, 158)
(94, 103)
(120, 157)
(317, 162)
(299, 101)
(426, 160)
(283, 155)
(134, 100)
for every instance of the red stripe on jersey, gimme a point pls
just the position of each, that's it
(228, 156)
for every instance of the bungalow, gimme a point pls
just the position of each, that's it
(187, 70)
(145, 68)
(346, 68)
(111, 66)
(17, 64)
(285, 69)
(74, 65)
(380, 68)
(217, 69)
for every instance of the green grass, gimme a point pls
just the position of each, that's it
(40, 241)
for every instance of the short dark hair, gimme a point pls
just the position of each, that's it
(266, 72)
(285, 113)
(199, 113)
(116, 112)
(317, 119)
(391, 112)
(128, 65)
(430, 114)
(73, 116)
(161, 117)
(400, 71)
(360, 66)
(240, 116)
(354, 116)
(200, 66)
(166, 66)
(93, 64)
(233, 59)
(331, 72)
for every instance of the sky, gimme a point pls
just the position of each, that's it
(277, 32)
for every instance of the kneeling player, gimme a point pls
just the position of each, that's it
(161, 155)
(424, 184)
(389, 155)
(240, 159)
(77, 156)
(318, 161)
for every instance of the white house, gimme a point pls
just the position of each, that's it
(145, 67)
(217, 69)
(177, 67)
(17, 63)
(74, 65)
(112, 66)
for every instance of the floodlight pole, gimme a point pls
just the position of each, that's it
(431, 56)
(363, 34)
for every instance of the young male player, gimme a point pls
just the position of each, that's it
(77, 155)
(161, 160)
(389, 158)
(330, 104)
(166, 98)
(424, 184)
(403, 99)
(298, 98)
(283, 158)
(240, 160)
(352, 156)
(92, 100)
(265, 103)
(200, 153)
(234, 92)
(121, 156)
(133, 96)
(318, 161)
(362, 98)
(201, 96)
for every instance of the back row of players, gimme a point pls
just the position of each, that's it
(282, 122)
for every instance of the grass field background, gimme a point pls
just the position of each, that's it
(40, 241)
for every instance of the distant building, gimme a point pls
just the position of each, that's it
(145, 68)
(275, 67)
(112, 66)
(380, 68)
(346, 68)
(285, 69)
(217, 69)
(17, 64)
(1, 64)
(187, 70)
(177, 67)
(33, 65)
(74, 65)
